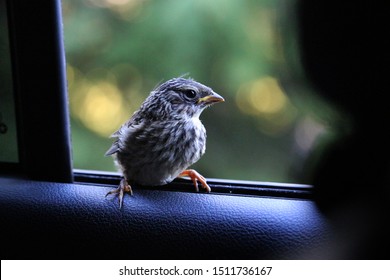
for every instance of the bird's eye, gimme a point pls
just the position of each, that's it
(190, 94)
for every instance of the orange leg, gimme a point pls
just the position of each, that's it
(123, 188)
(195, 176)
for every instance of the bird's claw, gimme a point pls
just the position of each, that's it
(123, 188)
(195, 176)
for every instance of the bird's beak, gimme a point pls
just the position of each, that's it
(210, 99)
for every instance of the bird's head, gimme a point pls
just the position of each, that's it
(179, 98)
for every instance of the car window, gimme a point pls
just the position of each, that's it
(118, 51)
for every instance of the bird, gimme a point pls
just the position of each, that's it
(163, 137)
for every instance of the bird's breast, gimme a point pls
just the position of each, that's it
(158, 153)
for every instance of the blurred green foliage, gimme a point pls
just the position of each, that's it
(118, 50)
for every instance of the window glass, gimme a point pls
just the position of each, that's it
(8, 133)
(118, 50)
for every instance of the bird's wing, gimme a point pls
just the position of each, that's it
(125, 130)
(113, 149)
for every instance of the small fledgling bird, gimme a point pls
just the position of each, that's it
(163, 137)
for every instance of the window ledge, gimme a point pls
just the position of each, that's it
(218, 186)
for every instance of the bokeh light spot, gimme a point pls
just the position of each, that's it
(98, 104)
(265, 100)
(103, 108)
(266, 96)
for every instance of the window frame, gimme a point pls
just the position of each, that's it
(39, 80)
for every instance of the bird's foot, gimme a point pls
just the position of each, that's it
(195, 176)
(123, 188)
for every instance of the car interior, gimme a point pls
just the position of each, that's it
(48, 210)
